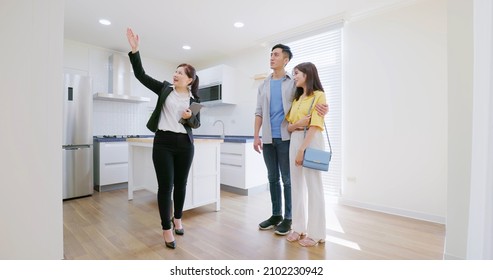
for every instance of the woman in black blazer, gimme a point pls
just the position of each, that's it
(173, 149)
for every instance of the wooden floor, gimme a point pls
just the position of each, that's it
(108, 226)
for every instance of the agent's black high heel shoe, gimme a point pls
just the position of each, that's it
(180, 231)
(171, 244)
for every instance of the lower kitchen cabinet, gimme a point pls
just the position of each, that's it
(110, 163)
(242, 168)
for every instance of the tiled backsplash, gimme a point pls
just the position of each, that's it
(120, 118)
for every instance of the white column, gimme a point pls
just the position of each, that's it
(31, 81)
(480, 230)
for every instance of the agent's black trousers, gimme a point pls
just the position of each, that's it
(172, 155)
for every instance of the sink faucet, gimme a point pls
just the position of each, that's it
(220, 121)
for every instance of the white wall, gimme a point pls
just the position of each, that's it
(113, 117)
(31, 81)
(395, 111)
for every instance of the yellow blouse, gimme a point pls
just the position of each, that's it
(300, 107)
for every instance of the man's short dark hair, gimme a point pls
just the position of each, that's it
(285, 49)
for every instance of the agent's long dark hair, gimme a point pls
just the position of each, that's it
(312, 79)
(191, 73)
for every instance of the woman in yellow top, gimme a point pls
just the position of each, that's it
(308, 230)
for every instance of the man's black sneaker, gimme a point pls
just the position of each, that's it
(284, 227)
(270, 223)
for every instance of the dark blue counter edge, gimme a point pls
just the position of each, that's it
(118, 139)
(228, 138)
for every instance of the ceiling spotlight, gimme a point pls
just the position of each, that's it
(239, 24)
(186, 47)
(104, 21)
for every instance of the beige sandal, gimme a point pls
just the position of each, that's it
(309, 242)
(295, 236)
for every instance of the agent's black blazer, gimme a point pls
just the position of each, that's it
(162, 89)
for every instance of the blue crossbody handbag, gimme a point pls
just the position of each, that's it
(315, 158)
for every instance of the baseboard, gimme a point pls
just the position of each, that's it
(451, 257)
(246, 192)
(394, 211)
(111, 187)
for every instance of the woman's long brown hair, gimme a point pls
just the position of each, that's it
(312, 79)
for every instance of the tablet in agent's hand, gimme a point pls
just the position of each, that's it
(195, 107)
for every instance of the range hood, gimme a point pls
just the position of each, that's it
(119, 77)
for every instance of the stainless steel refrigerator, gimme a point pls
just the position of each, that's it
(77, 142)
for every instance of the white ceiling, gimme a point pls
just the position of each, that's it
(206, 25)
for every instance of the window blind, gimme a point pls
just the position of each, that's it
(325, 51)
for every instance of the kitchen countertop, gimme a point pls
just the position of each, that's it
(148, 138)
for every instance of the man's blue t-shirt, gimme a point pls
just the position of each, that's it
(276, 108)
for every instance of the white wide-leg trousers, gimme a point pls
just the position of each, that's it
(307, 191)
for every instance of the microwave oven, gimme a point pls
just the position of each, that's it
(210, 93)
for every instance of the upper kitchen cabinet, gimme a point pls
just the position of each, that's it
(218, 85)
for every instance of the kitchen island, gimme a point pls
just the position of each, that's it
(110, 160)
(203, 185)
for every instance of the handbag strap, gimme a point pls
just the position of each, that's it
(326, 133)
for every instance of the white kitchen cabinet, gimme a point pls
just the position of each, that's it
(221, 74)
(242, 169)
(203, 186)
(110, 163)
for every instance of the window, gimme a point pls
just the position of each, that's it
(325, 51)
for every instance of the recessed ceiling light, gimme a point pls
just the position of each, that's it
(186, 47)
(239, 24)
(104, 21)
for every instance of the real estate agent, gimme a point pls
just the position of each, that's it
(173, 149)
